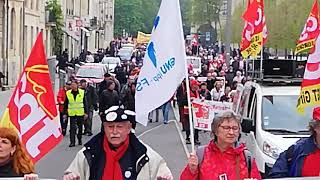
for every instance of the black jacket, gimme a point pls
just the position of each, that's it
(91, 97)
(129, 100)
(6, 170)
(136, 154)
(107, 99)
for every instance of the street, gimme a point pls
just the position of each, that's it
(165, 139)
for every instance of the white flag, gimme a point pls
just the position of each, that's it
(164, 63)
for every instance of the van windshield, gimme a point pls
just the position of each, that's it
(279, 115)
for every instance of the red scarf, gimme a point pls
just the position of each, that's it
(112, 169)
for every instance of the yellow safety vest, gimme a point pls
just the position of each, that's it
(76, 106)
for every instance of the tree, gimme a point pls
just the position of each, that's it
(135, 15)
(285, 21)
(55, 7)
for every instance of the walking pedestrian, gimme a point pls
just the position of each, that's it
(108, 98)
(61, 97)
(76, 108)
(91, 100)
(116, 153)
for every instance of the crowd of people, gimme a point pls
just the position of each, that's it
(116, 153)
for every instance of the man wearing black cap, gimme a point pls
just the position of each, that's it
(116, 153)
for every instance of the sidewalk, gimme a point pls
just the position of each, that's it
(4, 99)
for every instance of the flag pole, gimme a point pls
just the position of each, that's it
(261, 58)
(190, 111)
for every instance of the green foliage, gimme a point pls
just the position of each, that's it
(205, 11)
(55, 7)
(135, 15)
(285, 21)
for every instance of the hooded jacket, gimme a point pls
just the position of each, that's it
(216, 163)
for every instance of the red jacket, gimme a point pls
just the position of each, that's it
(61, 97)
(216, 163)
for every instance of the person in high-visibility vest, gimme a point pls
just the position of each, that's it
(76, 107)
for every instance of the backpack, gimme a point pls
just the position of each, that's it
(247, 155)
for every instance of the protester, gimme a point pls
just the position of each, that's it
(204, 92)
(181, 91)
(217, 92)
(223, 157)
(108, 98)
(91, 101)
(238, 78)
(115, 153)
(14, 159)
(60, 99)
(302, 158)
(194, 87)
(76, 107)
(129, 100)
(103, 84)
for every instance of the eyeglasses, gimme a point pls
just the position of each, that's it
(228, 128)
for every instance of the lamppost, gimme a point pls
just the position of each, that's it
(228, 31)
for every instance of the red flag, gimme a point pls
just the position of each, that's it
(32, 109)
(255, 31)
(310, 86)
(310, 31)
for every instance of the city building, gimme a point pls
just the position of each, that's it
(20, 22)
(89, 25)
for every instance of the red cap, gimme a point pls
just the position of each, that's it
(194, 83)
(316, 114)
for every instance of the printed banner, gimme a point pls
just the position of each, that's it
(203, 112)
(32, 108)
(143, 38)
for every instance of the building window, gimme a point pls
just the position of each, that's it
(37, 4)
(25, 45)
(12, 28)
(31, 36)
(31, 5)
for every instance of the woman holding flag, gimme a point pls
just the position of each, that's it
(223, 158)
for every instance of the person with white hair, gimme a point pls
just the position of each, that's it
(238, 78)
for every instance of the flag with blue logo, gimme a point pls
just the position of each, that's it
(164, 63)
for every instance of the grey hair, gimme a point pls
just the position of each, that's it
(221, 117)
(312, 125)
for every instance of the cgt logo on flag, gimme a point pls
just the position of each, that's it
(31, 110)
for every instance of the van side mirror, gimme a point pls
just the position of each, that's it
(247, 125)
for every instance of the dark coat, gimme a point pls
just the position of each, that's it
(300, 151)
(91, 97)
(7, 170)
(107, 99)
(95, 156)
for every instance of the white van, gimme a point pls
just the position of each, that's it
(270, 122)
(196, 64)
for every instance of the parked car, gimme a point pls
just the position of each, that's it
(111, 63)
(92, 72)
(125, 54)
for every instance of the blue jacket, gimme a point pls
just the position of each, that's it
(301, 149)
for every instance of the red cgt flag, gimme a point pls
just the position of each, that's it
(254, 34)
(310, 31)
(31, 110)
